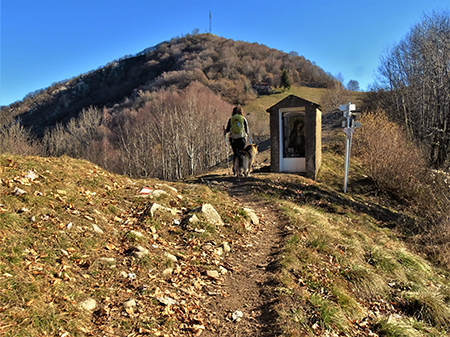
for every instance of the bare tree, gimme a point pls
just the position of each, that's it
(353, 85)
(416, 75)
(16, 139)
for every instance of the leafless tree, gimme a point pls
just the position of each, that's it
(416, 75)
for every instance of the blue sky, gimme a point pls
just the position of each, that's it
(46, 41)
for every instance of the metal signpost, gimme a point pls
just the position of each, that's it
(349, 126)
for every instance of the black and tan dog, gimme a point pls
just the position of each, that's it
(244, 160)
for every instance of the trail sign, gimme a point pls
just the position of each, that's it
(345, 107)
(349, 126)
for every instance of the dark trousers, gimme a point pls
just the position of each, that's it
(237, 144)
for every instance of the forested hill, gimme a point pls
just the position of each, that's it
(229, 68)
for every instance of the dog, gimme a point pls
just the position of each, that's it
(244, 160)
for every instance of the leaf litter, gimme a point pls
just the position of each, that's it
(85, 253)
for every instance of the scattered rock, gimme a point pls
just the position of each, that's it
(210, 214)
(136, 233)
(107, 260)
(247, 225)
(214, 274)
(253, 217)
(31, 175)
(192, 218)
(237, 315)
(18, 191)
(159, 193)
(167, 272)
(138, 252)
(156, 207)
(97, 229)
(166, 300)
(88, 305)
(226, 247)
(223, 270)
(131, 303)
(170, 188)
(171, 257)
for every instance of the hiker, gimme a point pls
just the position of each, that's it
(238, 128)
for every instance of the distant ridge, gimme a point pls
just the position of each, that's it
(229, 68)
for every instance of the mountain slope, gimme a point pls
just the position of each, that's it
(228, 67)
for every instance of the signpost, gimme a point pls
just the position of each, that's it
(349, 126)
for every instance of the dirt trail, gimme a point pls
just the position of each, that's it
(253, 263)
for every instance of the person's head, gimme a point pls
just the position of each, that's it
(238, 110)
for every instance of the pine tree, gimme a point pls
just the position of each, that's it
(285, 80)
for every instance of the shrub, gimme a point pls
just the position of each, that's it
(390, 160)
(397, 165)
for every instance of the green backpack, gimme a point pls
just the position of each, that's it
(237, 126)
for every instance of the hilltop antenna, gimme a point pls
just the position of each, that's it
(209, 22)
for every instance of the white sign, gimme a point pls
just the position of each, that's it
(345, 107)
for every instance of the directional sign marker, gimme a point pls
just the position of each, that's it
(349, 126)
(344, 107)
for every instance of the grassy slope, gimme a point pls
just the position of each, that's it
(51, 259)
(257, 108)
(343, 269)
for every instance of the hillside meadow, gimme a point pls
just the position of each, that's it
(72, 236)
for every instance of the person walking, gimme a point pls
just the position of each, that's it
(237, 126)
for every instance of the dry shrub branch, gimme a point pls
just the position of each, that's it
(397, 165)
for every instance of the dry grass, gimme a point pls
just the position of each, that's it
(396, 165)
(345, 272)
(51, 259)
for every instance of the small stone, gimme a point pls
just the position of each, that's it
(171, 257)
(211, 214)
(193, 218)
(89, 305)
(226, 247)
(237, 315)
(97, 229)
(254, 219)
(137, 234)
(18, 191)
(131, 303)
(167, 300)
(156, 207)
(223, 270)
(167, 272)
(107, 259)
(213, 274)
(31, 175)
(139, 252)
(159, 193)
